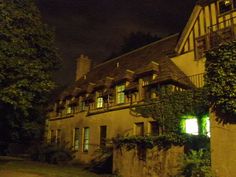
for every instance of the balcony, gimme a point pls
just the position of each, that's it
(224, 31)
(197, 80)
(221, 32)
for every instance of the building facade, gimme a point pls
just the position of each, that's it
(97, 106)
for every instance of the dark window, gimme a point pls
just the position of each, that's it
(225, 6)
(103, 136)
(53, 136)
(58, 136)
(154, 128)
(141, 152)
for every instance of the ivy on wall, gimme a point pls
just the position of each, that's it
(167, 110)
(220, 81)
(165, 141)
(170, 106)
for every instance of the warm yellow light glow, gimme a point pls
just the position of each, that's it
(191, 126)
(227, 2)
(208, 127)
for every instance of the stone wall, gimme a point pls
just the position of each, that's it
(158, 163)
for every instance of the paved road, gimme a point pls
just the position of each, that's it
(6, 173)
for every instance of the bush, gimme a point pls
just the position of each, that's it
(196, 164)
(52, 153)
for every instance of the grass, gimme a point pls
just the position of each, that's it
(45, 170)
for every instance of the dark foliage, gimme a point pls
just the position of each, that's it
(133, 41)
(221, 81)
(52, 153)
(170, 106)
(27, 59)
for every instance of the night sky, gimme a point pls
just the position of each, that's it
(96, 27)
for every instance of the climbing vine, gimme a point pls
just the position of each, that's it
(167, 110)
(170, 106)
(220, 80)
(164, 141)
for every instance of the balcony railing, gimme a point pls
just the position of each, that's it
(222, 32)
(197, 80)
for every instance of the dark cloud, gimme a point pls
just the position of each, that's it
(96, 27)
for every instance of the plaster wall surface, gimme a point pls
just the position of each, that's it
(158, 163)
(188, 64)
(119, 122)
(223, 148)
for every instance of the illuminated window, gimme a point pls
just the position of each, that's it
(81, 104)
(190, 125)
(225, 6)
(120, 95)
(69, 110)
(146, 82)
(99, 102)
(86, 139)
(76, 138)
(139, 129)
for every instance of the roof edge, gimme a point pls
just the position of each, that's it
(135, 50)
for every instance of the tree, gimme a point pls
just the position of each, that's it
(221, 81)
(136, 40)
(133, 41)
(27, 59)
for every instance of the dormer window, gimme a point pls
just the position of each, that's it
(145, 82)
(120, 94)
(154, 76)
(225, 6)
(69, 110)
(99, 102)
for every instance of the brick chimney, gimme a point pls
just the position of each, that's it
(83, 66)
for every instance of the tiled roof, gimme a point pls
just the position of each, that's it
(135, 61)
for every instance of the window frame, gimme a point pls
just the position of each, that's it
(187, 119)
(52, 136)
(100, 102)
(76, 139)
(150, 127)
(120, 94)
(86, 139)
(103, 138)
(137, 125)
(222, 10)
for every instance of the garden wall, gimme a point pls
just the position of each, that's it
(153, 163)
